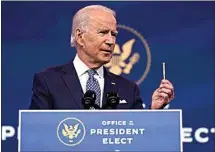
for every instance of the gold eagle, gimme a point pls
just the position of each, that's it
(71, 132)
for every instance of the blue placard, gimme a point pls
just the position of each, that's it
(100, 130)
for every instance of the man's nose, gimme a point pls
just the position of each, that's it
(110, 40)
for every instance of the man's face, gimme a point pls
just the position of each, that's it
(99, 41)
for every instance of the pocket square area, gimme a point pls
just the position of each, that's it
(122, 101)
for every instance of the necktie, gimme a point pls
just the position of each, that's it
(93, 84)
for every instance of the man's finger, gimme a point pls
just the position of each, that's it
(164, 95)
(169, 92)
(166, 86)
(165, 81)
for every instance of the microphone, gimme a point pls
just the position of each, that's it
(112, 100)
(88, 100)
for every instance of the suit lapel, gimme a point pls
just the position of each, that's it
(72, 82)
(109, 85)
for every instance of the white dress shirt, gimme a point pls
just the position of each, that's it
(81, 69)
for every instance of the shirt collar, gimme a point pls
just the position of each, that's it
(81, 67)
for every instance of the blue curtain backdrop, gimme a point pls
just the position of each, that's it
(36, 35)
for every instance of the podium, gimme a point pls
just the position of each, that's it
(100, 130)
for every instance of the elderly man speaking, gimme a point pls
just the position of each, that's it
(94, 33)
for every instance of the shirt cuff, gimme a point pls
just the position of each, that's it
(166, 106)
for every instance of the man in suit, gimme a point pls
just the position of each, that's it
(94, 36)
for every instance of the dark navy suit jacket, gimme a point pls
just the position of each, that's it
(60, 88)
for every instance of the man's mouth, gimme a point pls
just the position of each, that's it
(108, 51)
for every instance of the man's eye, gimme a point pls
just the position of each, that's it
(103, 32)
(114, 34)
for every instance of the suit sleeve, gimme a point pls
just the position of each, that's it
(41, 98)
(137, 99)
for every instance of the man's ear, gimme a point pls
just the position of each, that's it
(79, 37)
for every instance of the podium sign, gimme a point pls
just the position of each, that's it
(100, 130)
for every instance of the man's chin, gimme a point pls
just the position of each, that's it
(106, 59)
(105, 62)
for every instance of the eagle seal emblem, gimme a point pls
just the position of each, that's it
(71, 131)
(131, 56)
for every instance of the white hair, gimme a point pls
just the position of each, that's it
(82, 17)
